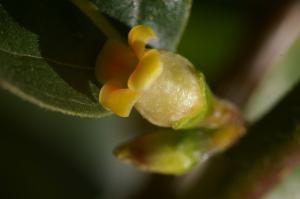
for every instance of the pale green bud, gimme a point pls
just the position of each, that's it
(166, 152)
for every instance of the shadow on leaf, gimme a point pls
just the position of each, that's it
(68, 41)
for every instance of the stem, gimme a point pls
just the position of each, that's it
(258, 161)
(92, 12)
(279, 31)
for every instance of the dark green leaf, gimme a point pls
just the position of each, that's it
(167, 17)
(48, 48)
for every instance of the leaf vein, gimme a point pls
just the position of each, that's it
(47, 59)
(59, 98)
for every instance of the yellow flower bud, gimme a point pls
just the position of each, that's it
(178, 96)
(163, 86)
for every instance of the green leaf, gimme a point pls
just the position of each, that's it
(48, 48)
(168, 18)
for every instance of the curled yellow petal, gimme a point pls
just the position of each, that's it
(117, 99)
(147, 71)
(138, 37)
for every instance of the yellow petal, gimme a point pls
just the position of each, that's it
(138, 37)
(115, 61)
(147, 71)
(117, 99)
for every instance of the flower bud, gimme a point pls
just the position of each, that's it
(179, 98)
(164, 87)
(166, 151)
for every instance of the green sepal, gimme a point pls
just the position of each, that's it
(205, 106)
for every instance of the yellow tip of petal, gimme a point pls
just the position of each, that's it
(138, 37)
(147, 71)
(117, 99)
